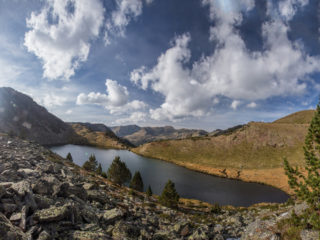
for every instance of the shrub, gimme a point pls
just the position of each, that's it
(169, 196)
(136, 182)
(118, 172)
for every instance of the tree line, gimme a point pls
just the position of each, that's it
(120, 174)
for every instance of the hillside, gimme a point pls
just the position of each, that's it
(253, 152)
(100, 135)
(140, 135)
(21, 116)
(302, 117)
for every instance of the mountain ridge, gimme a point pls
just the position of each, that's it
(140, 135)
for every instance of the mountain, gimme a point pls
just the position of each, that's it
(20, 115)
(140, 135)
(251, 152)
(100, 135)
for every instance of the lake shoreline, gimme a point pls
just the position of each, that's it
(248, 175)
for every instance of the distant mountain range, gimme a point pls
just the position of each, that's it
(140, 135)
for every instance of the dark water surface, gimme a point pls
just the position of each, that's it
(189, 184)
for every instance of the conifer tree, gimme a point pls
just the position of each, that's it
(149, 191)
(118, 171)
(136, 182)
(99, 169)
(91, 164)
(169, 196)
(69, 157)
(307, 186)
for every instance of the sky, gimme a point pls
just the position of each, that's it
(204, 64)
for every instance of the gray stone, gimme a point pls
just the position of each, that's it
(52, 214)
(309, 235)
(110, 216)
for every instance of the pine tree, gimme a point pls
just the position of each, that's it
(136, 182)
(99, 169)
(118, 172)
(307, 186)
(169, 196)
(149, 191)
(91, 164)
(69, 157)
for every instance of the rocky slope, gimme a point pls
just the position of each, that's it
(140, 135)
(100, 135)
(20, 115)
(43, 196)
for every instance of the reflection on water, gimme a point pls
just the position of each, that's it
(189, 184)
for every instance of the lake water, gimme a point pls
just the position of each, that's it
(189, 184)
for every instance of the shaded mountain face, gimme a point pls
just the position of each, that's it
(99, 135)
(140, 135)
(21, 116)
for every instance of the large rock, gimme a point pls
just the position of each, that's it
(110, 216)
(8, 231)
(52, 214)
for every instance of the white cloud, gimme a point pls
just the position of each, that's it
(116, 100)
(235, 104)
(288, 8)
(61, 37)
(252, 105)
(232, 71)
(120, 18)
(52, 100)
(149, 1)
(135, 117)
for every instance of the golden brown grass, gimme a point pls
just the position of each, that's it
(98, 139)
(253, 153)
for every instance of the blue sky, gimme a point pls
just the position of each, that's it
(188, 63)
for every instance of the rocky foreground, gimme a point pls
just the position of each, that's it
(43, 196)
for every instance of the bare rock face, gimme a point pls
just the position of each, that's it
(21, 116)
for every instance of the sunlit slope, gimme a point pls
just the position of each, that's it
(302, 117)
(254, 146)
(99, 138)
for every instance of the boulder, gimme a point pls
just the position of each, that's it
(52, 214)
(8, 231)
(110, 216)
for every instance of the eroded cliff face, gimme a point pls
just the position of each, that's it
(43, 196)
(21, 116)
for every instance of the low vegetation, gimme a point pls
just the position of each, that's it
(307, 186)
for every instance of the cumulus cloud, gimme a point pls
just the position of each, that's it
(288, 8)
(120, 18)
(235, 104)
(52, 100)
(116, 100)
(135, 117)
(61, 32)
(251, 105)
(232, 71)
